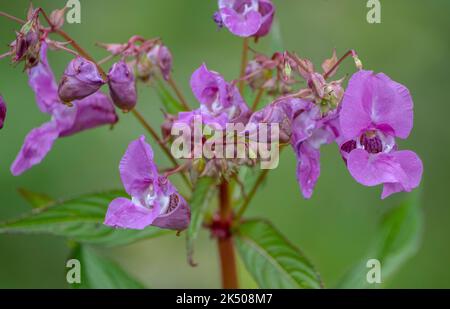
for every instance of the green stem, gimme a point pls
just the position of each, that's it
(243, 64)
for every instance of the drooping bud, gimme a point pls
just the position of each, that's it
(2, 112)
(81, 79)
(122, 86)
(161, 56)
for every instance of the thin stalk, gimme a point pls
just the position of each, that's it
(244, 60)
(163, 146)
(349, 53)
(177, 91)
(16, 19)
(225, 244)
(257, 99)
(249, 197)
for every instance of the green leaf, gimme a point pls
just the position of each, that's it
(79, 219)
(199, 204)
(171, 105)
(36, 200)
(397, 240)
(98, 272)
(272, 260)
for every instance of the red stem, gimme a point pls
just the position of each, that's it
(327, 74)
(225, 244)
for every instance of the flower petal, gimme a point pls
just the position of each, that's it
(374, 169)
(376, 102)
(217, 97)
(308, 168)
(205, 84)
(244, 24)
(267, 10)
(125, 214)
(90, 112)
(412, 166)
(137, 168)
(399, 170)
(177, 216)
(2, 112)
(43, 83)
(392, 105)
(81, 79)
(354, 118)
(36, 146)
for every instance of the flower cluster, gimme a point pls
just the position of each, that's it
(309, 110)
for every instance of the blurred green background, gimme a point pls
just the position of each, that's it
(334, 228)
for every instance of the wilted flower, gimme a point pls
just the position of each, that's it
(246, 18)
(375, 110)
(57, 17)
(154, 200)
(81, 79)
(93, 111)
(2, 112)
(122, 86)
(217, 97)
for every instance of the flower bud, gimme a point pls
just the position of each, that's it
(2, 111)
(160, 56)
(57, 17)
(122, 86)
(81, 79)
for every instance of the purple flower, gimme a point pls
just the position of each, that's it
(161, 57)
(81, 79)
(246, 18)
(310, 132)
(302, 123)
(375, 110)
(154, 200)
(2, 112)
(90, 112)
(122, 86)
(217, 97)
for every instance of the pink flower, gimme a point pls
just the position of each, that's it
(93, 111)
(246, 18)
(217, 97)
(154, 200)
(375, 110)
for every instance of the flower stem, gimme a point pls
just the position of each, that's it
(180, 96)
(243, 64)
(349, 53)
(163, 146)
(18, 20)
(225, 244)
(249, 197)
(257, 99)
